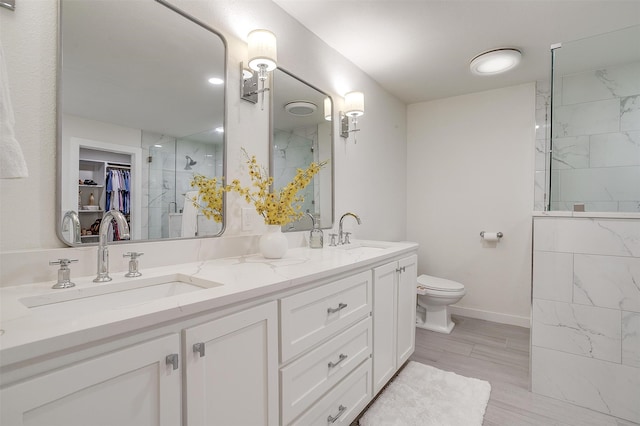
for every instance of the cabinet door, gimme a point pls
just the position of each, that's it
(131, 386)
(384, 324)
(232, 371)
(406, 297)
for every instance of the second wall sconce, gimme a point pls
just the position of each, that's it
(353, 108)
(262, 53)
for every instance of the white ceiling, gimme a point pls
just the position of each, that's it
(420, 50)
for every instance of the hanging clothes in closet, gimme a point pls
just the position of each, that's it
(118, 195)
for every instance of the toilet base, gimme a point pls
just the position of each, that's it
(436, 318)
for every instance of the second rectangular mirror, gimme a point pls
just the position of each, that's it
(301, 133)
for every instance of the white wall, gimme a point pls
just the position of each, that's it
(470, 163)
(367, 178)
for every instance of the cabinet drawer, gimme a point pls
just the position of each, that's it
(309, 317)
(308, 378)
(343, 404)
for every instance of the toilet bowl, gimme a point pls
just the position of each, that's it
(434, 297)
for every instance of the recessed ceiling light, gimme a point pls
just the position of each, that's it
(220, 129)
(157, 145)
(495, 61)
(301, 108)
(216, 80)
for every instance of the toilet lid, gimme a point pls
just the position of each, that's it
(435, 283)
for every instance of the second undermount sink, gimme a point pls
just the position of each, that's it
(376, 245)
(116, 295)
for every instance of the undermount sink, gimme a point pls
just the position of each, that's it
(116, 295)
(376, 245)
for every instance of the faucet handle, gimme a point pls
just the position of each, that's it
(133, 264)
(333, 240)
(346, 238)
(64, 273)
(62, 262)
(133, 254)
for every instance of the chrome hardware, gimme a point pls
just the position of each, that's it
(340, 307)
(340, 233)
(333, 240)
(103, 249)
(341, 358)
(346, 238)
(64, 273)
(199, 348)
(341, 410)
(133, 264)
(500, 234)
(172, 360)
(401, 269)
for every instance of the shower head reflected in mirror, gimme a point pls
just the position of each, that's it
(190, 162)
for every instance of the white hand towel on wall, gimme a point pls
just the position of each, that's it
(12, 164)
(189, 215)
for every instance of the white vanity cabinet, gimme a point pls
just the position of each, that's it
(327, 332)
(138, 385)
(231, 369)
(394, 317)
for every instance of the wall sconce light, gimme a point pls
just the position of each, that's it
(262, 54)
(327, 109)
(354, 107)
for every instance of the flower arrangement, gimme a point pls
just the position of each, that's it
(211, 195)
(277, 208)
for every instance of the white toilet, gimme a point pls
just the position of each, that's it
(434, 296)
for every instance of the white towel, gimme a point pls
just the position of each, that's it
(189, 215)
(12, 164)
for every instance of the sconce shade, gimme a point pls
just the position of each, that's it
(262, 50)
(327, 109)
(354, 104)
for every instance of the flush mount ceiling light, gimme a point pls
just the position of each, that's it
(301, 108)
(495, 61)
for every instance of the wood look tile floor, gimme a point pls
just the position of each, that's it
(499, 353)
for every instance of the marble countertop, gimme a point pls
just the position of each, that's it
(28, 333)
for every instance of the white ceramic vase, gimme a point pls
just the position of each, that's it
(273, 243)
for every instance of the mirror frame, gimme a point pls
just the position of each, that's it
(59, 213)
(274, 87)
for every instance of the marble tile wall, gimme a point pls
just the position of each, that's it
(296, 150)
(585, 332)
(596, 140)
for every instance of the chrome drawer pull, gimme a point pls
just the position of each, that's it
(172, 360)
(340, 307)
(341, 358)
(199, 348)
(341, 410)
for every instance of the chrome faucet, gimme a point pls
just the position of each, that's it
(75, 222)
(103, 250)
(341, 235)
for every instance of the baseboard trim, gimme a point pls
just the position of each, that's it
(491, 316)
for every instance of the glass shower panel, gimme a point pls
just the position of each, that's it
(595, 133)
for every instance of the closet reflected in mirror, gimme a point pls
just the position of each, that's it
(141, 109)
(301, 134)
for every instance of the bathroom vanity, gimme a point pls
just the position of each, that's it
(307, 339)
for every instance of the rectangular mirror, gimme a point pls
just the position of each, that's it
(301, 133)
(141, 109)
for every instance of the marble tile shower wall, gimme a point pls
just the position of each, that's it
(295, 150)
(543, 133)
(586, 313)
(596, 140)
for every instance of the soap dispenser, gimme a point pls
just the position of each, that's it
(316, 236)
